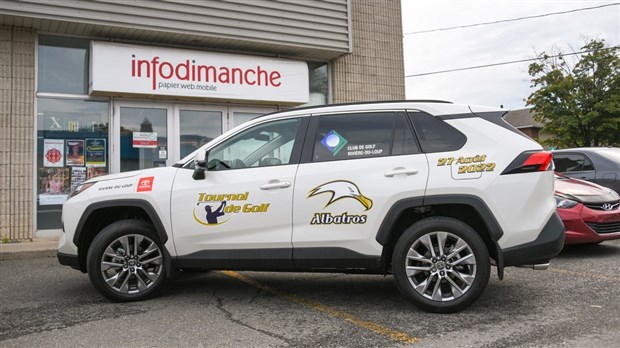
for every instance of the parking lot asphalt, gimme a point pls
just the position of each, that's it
(576, 303)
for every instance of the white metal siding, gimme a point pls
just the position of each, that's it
(288, 27)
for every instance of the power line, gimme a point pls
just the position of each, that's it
(510, 20)
(503, 63)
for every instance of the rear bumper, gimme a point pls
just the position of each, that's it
(549, 243)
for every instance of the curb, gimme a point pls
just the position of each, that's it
(39, 248)
(28, 254)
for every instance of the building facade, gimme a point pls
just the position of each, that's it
(95, 87)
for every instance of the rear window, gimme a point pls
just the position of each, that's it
(436, 135)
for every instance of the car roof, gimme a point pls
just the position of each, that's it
(434, 107)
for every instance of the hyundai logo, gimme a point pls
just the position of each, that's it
(609, 206)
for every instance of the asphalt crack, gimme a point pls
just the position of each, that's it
(229, 316)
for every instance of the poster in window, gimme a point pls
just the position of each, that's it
(95, 153)
(95, 172)
(78, 176)
(53, 185)
(53, 153)
(75, 152)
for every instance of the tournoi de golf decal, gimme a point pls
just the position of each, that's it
(217, 209)
(339, 190)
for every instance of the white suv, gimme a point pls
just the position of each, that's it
(431, 192)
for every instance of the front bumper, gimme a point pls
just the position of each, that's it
(69, 260)
(585, 225)
(549, 243)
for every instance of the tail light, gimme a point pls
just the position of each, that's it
(530, 161)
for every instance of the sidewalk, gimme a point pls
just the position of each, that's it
(39, 247)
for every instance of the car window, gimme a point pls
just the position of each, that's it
(362, 135)
(436, 135)
(566, 163)
(267, 144)
(404, 141)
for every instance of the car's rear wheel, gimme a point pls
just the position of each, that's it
(441, 264)
(126, 262)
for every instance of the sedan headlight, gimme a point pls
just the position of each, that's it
(565, 203)
(81, 188)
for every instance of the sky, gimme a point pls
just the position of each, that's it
(507, 85)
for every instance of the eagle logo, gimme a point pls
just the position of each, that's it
(340, 189)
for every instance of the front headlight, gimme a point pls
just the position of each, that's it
(565, 203)
(81, 188)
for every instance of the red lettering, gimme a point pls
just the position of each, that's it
(262, 76)
(155, 69)
(274, 77)
(247, 79)
(170, 70)
(207, 69)
(178, 73)
(154, 63)
(224, 76)
(240, 74)
(148, 68)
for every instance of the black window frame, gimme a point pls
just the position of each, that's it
(411, 115)
(313, 127)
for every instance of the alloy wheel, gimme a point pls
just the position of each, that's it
(132, 264)
(440, 266)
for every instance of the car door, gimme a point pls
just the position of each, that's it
(242, 210)
(355, 166)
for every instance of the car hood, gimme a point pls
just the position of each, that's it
(123, 175)
(583, 191)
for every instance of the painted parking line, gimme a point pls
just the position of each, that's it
(318, 306)
(584, 274)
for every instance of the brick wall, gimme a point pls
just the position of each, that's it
(375, 70)
(17, 47)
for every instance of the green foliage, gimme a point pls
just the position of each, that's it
(578, 103)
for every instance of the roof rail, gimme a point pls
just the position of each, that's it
(363, 103)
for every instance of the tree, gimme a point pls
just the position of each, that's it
(578, 103)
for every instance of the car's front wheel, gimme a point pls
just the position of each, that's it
(441, 264)
(126, 262)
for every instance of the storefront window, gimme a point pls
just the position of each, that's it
(318, 84)
(63, 65)
(72, 146)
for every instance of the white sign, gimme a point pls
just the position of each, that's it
(53, 153)
(52, 199)
(145, 140)
(121, 68)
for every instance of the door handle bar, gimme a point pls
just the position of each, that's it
(275, 185)
(400, 171)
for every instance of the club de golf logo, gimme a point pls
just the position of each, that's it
(215, 209)
(334, 142)
(340, 189)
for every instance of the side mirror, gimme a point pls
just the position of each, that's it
(200, 165)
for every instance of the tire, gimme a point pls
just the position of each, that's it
(126, 261)
(448, 280)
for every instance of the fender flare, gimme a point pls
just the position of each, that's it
(146, 206)
(495, 230)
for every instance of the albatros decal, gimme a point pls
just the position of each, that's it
(340, 189)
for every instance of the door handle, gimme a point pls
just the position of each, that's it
(400, 171)
(275, 184)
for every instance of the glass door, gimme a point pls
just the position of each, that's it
(142, 136)
(240, 115)
(156, 134)
(197, 125)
